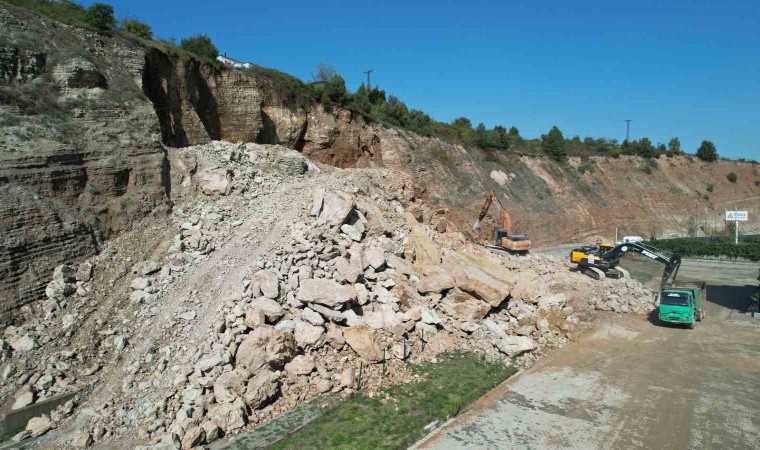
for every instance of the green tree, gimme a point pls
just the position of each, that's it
(499, 137)
(376, 96)
(481, 135)
(644, 148)
(360, 101)
(201, 46)
(514, 139)
(553, 143)
(625, 147)
(395, 112)
(674, 146)
(707, 152)
(100, 17)
(419, 122)
(335, 92)
(138, 28)
(462, 128)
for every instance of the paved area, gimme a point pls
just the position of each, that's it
(634, 384)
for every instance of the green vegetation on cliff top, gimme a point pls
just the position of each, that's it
(329, 89)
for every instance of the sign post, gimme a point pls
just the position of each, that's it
(736, 217)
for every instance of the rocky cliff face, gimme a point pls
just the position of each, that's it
(85, 119)
(575, 201)
(80, 156)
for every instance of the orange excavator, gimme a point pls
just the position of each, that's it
(503, 239)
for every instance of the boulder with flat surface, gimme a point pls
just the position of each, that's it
(267, 282)
(261, 388)
(515, 345)
(217, 181)
(331, 206)
(422, 249)
(462, 306)
(325, 292)
(363, 341)
(265, 346)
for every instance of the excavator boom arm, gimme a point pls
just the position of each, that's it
(505, 217)
(672, 263)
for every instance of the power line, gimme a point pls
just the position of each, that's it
(369, 72)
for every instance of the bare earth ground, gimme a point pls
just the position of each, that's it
(632, 383)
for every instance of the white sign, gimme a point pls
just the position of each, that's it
(737, 216)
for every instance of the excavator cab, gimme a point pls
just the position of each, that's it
(605, 247)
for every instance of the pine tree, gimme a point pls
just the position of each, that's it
(707, 152)
(553, 143)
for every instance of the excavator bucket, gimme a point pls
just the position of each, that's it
(476, 225)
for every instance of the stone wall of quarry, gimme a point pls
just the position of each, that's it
(80, 156)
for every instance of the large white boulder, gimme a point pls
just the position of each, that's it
(325, 292)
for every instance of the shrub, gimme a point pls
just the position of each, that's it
(201, 46)
(731, 177)
(138, 28)
(100, 17)
(325, 73)
(707, 152)
(724, 246)
(710, 187)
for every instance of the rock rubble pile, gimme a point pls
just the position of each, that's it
(339, 298)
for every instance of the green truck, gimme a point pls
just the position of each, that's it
(683, 302)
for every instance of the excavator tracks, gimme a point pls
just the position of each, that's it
(597, 274)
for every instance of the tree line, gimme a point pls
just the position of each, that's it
(329, 88)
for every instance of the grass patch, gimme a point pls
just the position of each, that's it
(370, 423)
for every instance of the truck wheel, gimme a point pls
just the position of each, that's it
(699, 315)
(693, 324)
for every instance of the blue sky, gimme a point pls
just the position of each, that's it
(686, 69)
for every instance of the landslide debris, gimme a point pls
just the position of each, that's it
(272, 282)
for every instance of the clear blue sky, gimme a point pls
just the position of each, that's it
(686, 69)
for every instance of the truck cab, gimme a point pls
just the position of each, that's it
(683, 302)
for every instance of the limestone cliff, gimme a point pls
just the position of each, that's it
(80, 155)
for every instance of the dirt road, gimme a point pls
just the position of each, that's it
(633, 383)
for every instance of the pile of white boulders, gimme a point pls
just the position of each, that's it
(344, 291)
(350, 289)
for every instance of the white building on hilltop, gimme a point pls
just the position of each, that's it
(226, 60)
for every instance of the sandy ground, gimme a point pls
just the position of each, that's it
(632, 383)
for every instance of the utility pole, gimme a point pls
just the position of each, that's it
(627, 128)
(368, 72)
